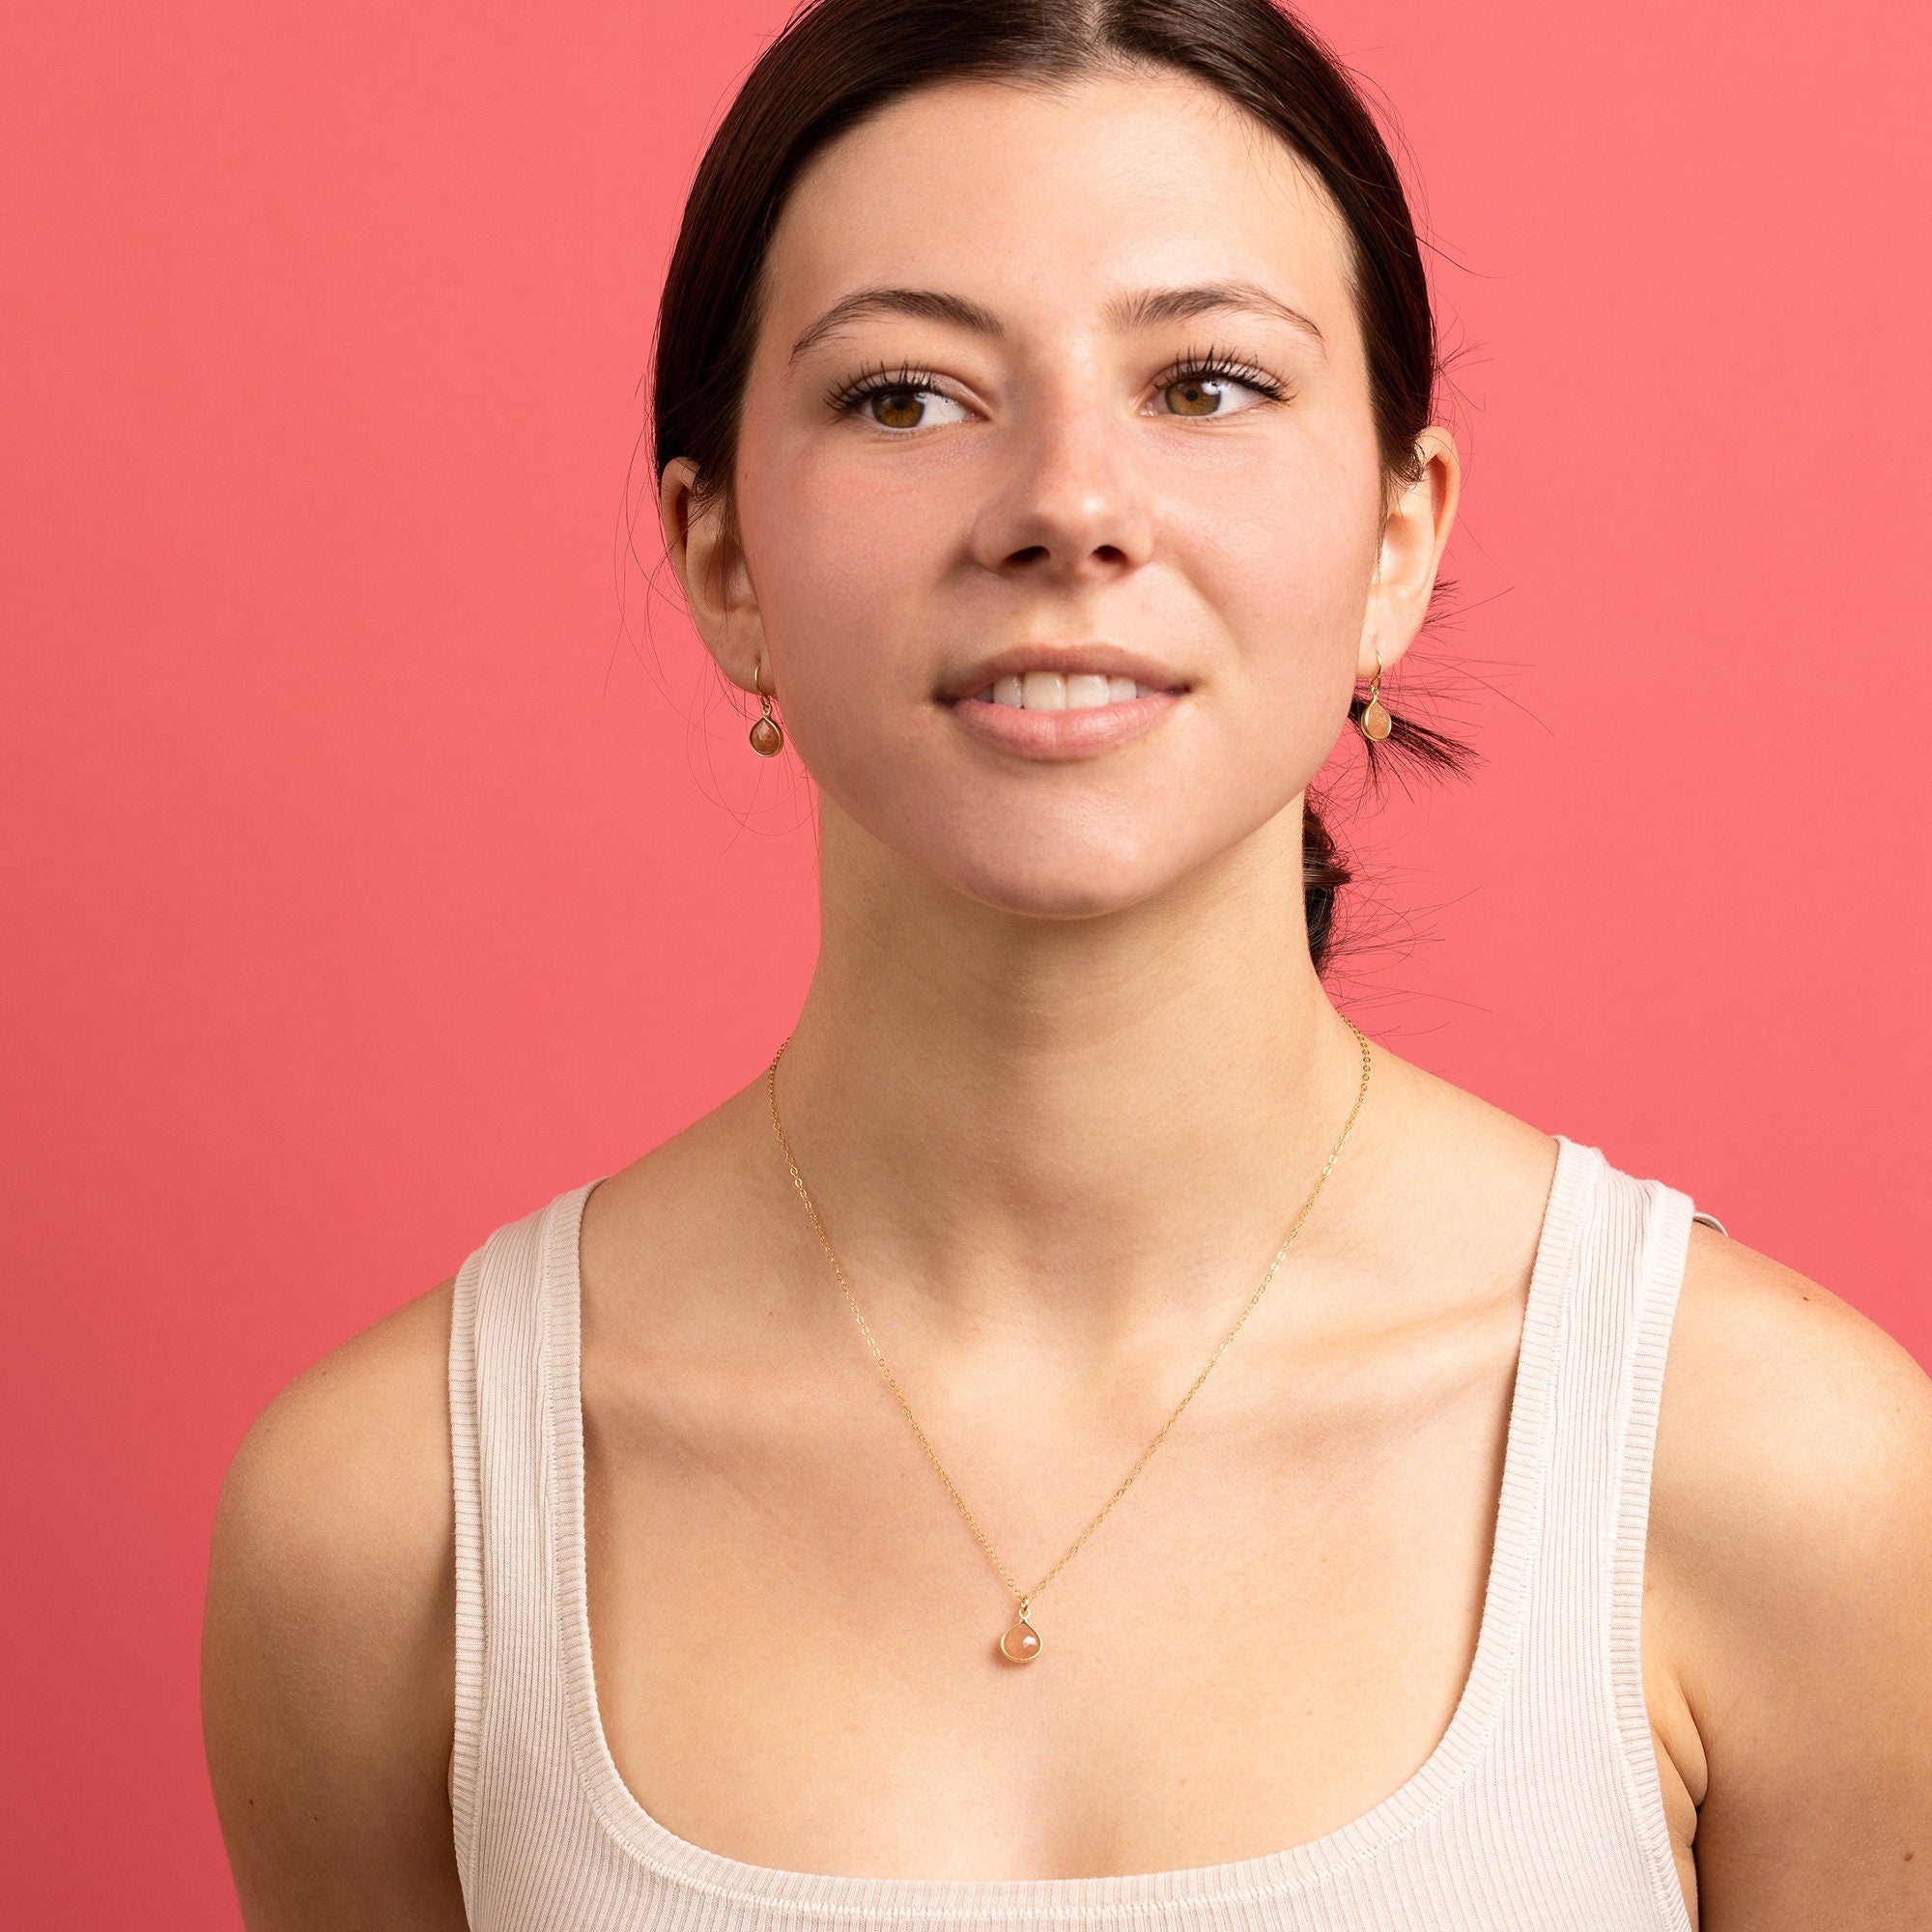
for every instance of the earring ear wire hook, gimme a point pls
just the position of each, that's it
(767, 734)
(1376, 722)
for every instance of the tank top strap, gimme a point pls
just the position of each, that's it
(1578, 1687)
(502, 1362)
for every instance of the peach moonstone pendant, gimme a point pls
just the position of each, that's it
(1021, 1644)
(768, 736)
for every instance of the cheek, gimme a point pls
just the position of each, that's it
(844, 557)
(852, 565)
(1277, 554)
(1282, 552)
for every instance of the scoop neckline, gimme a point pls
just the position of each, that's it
(1517, 1535)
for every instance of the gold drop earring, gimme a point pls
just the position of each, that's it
(768, 736)
(1376, 722)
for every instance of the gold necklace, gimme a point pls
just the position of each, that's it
(1020, 1643)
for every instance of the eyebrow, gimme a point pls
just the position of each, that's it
(1138, 308)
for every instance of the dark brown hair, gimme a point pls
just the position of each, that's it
(839, 61)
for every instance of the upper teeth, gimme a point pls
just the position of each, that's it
(1054, 690)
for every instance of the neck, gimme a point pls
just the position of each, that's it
(1131, 1108)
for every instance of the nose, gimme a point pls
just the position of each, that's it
(1070, 503)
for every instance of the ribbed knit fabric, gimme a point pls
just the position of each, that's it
(1539, 1810)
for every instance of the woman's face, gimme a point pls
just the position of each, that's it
(1121, 449)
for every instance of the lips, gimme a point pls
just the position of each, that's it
(1063, 712)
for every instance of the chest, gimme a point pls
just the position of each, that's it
(795, 1628)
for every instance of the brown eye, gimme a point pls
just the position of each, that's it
(898, 405)
(898, 409)
(1209, 387)
(1195, 396)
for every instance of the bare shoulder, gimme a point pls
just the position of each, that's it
(342, 1488)
(329, 1646)
(1788, 1418)
(1791, 1538)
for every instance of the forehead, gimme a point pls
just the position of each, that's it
(1043, 201)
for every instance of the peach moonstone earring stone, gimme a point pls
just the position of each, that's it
(1021, 1644)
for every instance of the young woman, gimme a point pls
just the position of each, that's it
(1088, 1437)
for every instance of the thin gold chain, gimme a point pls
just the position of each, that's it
(1026, 1597)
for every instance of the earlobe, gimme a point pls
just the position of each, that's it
(701, 540)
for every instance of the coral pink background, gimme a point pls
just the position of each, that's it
(368, 883)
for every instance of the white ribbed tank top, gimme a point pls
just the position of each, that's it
(1539, 1810)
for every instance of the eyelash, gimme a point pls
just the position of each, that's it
(881, 378)
(1211, 362)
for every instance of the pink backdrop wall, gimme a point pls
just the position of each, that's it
(366, 885)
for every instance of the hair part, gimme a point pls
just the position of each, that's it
(837, 62)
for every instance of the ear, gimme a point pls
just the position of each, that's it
(1414, 536)
(702, 544)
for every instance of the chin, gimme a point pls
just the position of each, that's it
(1080, 884)
(1055, 857)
